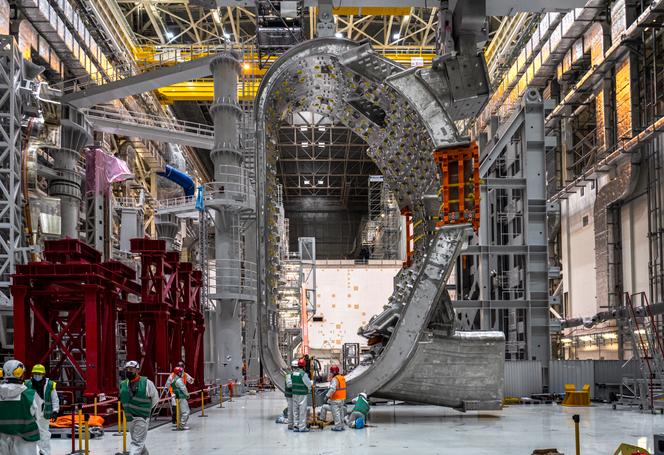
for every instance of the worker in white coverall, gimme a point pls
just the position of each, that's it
(336, 397)
(19, 410)
(169, 386)
(138, 396)
(45, 389)
(182, 395)
(300, 384)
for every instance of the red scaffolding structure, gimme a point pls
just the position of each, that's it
(167, 325)
(67, 309)
(65, 315)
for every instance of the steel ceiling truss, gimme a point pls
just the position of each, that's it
(163, 22)
(322, 159)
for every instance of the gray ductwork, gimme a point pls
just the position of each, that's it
(167, 229)
(621, 186)
(74, 135)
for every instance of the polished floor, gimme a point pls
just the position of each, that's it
(246, 426)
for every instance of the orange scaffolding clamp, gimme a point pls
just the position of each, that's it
(460, 186)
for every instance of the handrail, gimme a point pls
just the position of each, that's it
(184, 126)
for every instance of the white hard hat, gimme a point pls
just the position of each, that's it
(294, 363)
(13, 369)
(132, 364)
(363, 395)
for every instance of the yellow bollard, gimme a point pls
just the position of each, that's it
(119, 433)
(124, 432)
(80, 430)
(203, 403)
(87, 438)
(177, 414)
(95, 407)
(221, 395)
(576, 419)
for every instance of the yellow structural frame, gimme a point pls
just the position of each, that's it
(203, 89)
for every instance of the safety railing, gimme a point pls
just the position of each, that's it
(233, 278)
(139, 118)
(232, 184)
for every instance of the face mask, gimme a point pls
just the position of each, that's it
(131, 375)
(37, 377)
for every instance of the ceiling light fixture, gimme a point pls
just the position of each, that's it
(338, 35)
(396, 36)
(321, 181)
(305, 144)
(307, 182)
(168, 35)
(321, 144)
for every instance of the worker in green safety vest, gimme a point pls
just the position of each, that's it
(45, 389)
(288, 393)
(138, 396)
(300, 384)
(358, 416)
(19, 410)
(182, 395)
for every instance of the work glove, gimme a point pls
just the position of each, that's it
(54, 415)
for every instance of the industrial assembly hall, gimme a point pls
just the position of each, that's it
(331, 227)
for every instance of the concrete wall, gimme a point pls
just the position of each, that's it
(4, 17)
(334, 226)
(347, 296)
(578, 252)
(635, 245)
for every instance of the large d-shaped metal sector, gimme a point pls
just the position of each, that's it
(399, 115)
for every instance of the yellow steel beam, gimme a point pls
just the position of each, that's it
(203, 90)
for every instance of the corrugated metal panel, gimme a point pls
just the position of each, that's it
(577, 372)
(612, 371)
(523, 378)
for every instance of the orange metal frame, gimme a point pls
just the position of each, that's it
(409, 236)
(460, 186)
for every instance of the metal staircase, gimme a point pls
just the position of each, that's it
(644, 330)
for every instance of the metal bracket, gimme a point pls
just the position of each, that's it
(325, 27)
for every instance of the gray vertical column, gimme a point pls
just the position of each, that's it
(227, 159)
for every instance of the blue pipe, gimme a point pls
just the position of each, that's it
(179, 177)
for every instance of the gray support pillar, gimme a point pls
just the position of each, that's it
(537, 270)
(252, 354)
(227, 159)
(131, 226)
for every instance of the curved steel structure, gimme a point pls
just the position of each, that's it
(401, 114)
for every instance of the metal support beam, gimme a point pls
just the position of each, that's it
(150, 80)
(11, 220)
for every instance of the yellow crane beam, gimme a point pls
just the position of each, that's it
(203, 89)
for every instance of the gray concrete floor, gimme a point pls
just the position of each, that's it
(246, 426)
